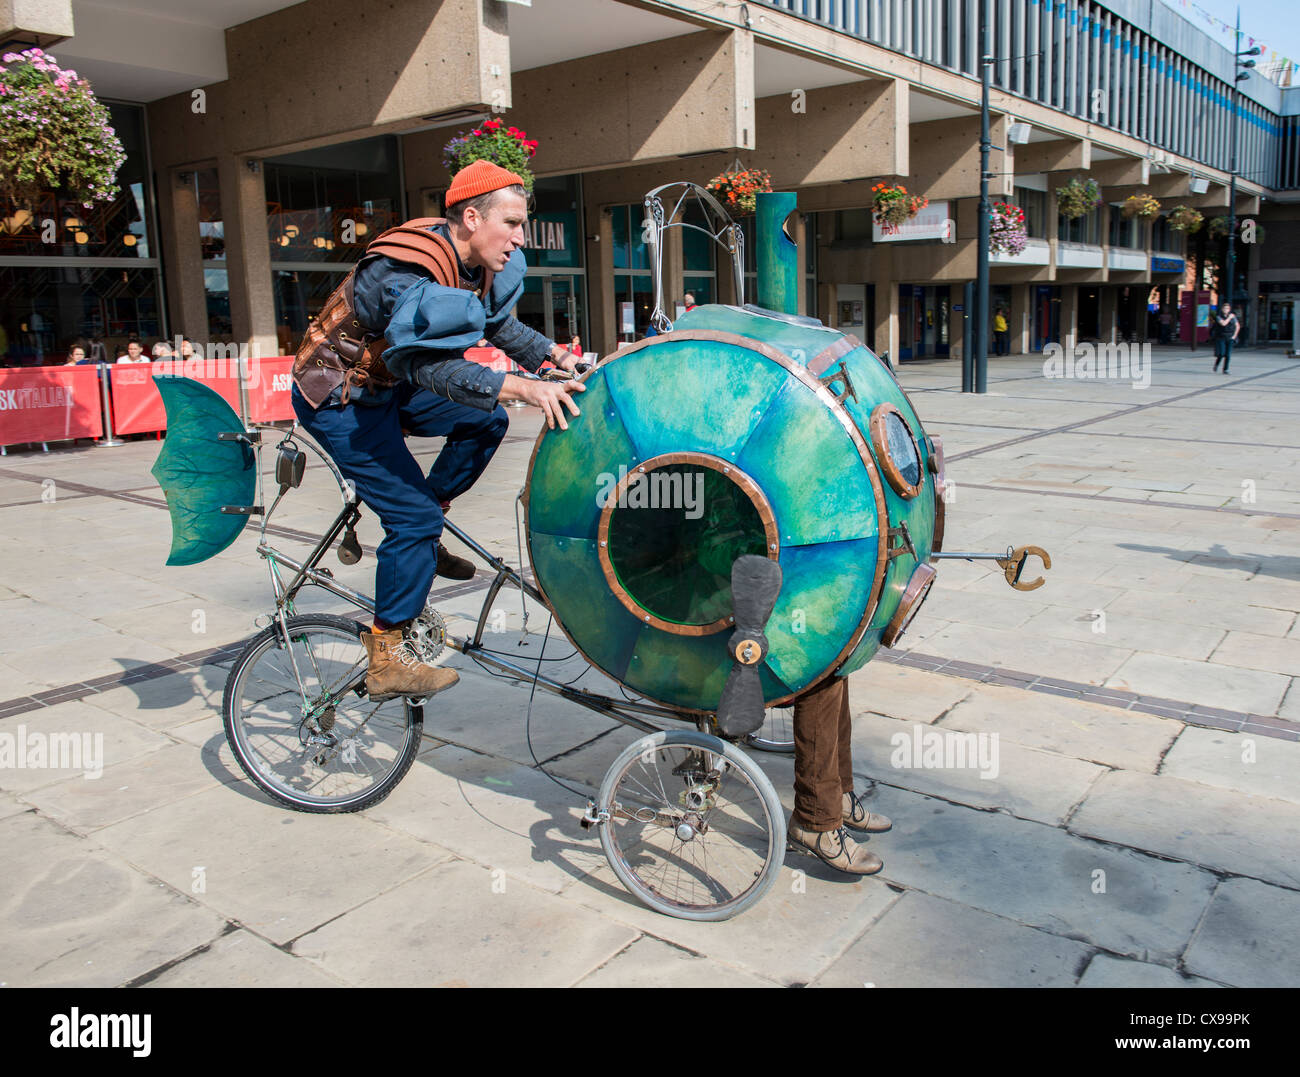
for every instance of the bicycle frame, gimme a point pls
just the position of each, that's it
(310, 573)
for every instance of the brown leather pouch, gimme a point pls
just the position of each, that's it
(336, 350)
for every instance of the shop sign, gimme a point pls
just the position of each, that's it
(933, 222)
(542, 235)
(1167, 265)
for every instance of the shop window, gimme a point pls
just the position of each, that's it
(638, 290)
(630, 250)
(325, 205)
(1034, 204)
(62, 227)
(1085, 229)
(1125, 232)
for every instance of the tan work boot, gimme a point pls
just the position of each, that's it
(395, 671)
(836, 848)
(857, 816)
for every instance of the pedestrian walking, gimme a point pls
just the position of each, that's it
(1225, 329)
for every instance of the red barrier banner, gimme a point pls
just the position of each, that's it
(270, 380)
(49, 403)
(492, 358)
(137, 407)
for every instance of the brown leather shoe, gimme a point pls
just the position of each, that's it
(395, 671)
(835, 848)
(453, 567)
(857, 816)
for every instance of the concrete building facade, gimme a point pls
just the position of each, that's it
(268, 142)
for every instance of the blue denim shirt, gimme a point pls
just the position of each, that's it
(428, 327)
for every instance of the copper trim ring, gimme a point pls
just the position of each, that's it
(940, 485)
(714, 463)
(918, 588)
(880, 438)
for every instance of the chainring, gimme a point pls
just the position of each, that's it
(427, 634)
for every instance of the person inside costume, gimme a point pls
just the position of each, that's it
(433, 391)
(825, 804)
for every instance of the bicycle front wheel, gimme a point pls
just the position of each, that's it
(301, 725)
(691, 825)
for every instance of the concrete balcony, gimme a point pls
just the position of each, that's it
(1037, 252)
(1126, 259)
(1079, 256)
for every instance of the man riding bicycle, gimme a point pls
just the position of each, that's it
(429, 290)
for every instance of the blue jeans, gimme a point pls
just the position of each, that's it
(368, 445)
(1223, 350)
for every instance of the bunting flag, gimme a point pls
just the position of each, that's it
(1281, 68)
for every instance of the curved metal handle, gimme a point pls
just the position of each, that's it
(1013, 566)
(727, 235)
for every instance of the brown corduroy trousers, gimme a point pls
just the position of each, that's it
(823, 761)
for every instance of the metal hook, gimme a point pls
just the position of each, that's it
(1013, 566)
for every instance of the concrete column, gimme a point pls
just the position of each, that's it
(178, 224)
(955, 317)
(1019, 321)
(29, 18)
(1107, 313)
(248, 254)
(799, 229)
(1069, 314)
(602, 318)
(673, 283)
(887, 316)
(826, 305)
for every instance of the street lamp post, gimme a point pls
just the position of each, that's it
(979, 324)
(1238, 76)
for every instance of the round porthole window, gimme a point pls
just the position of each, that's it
(900, 456)
(668, 536)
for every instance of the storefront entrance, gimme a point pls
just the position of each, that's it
(922, 321)
(1279, 317)
(1047, 316)
(1089, 325)
(552, 304)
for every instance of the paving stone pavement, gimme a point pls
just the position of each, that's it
(1126, 813)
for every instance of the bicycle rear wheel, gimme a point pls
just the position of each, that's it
(300, 723)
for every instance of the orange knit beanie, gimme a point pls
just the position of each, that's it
(479, 178)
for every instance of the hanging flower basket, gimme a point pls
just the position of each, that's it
(1077, 198)
(509, 147)
(1007, 232)
(1186, 219)
(891, 205)
(1144, 206)
(1219, 229)
(54, 136)
(738, 189)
